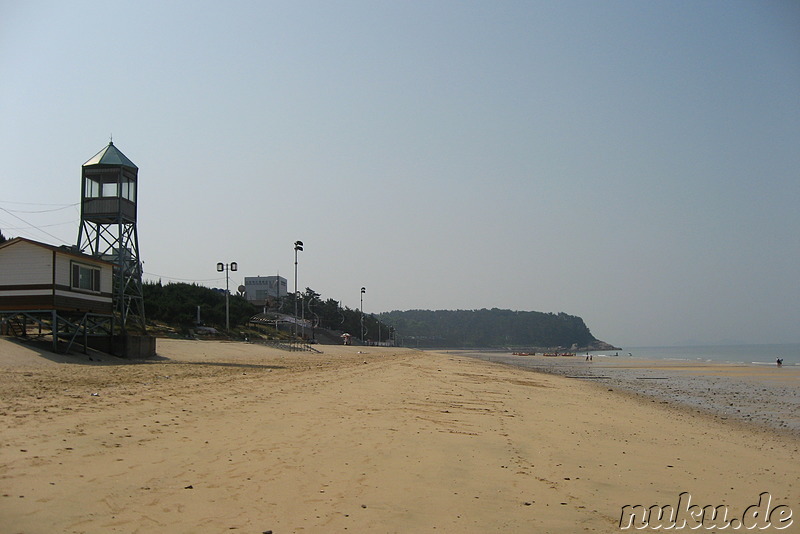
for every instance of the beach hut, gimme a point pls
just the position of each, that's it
(57, 291)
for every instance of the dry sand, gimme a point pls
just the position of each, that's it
(240, 438)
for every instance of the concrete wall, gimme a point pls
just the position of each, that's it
(133, 347)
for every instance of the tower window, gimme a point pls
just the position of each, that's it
(92, 188)
(128, 190)
(109, 190)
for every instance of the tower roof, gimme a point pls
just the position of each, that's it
(110, 155)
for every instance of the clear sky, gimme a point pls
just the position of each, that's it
(636, 163)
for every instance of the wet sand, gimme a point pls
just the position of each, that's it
(764, 395)
(237, 437)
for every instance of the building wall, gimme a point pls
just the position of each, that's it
(34, 277)
(64, 271)
(257, 288)
(67, 298)
(26, 264)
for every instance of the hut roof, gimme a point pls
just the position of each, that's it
(63, 249)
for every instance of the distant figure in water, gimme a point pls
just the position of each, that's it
(779, 361)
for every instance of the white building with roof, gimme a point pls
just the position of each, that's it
(57, 289)
(260, 289)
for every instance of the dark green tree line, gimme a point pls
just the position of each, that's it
(490, 328)
(330, 314)
(176, 303)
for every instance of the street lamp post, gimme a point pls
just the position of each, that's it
(363, 290)
(302, 316)
(298, 246)
(232, 266)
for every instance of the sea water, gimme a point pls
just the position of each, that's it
(750, 354)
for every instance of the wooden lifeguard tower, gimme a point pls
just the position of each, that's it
(109, 188)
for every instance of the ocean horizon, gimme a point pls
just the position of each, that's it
(757, 354)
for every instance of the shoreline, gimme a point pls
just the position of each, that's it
(789, 352)
(761, 395)
(217, 436)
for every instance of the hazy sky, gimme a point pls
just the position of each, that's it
(636, 163)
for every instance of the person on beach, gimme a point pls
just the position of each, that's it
(779, 361)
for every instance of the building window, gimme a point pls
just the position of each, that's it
(85, 277)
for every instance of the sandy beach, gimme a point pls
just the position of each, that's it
(764, 395)
(218, 436)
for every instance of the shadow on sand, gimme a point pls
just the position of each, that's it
(43, 349)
